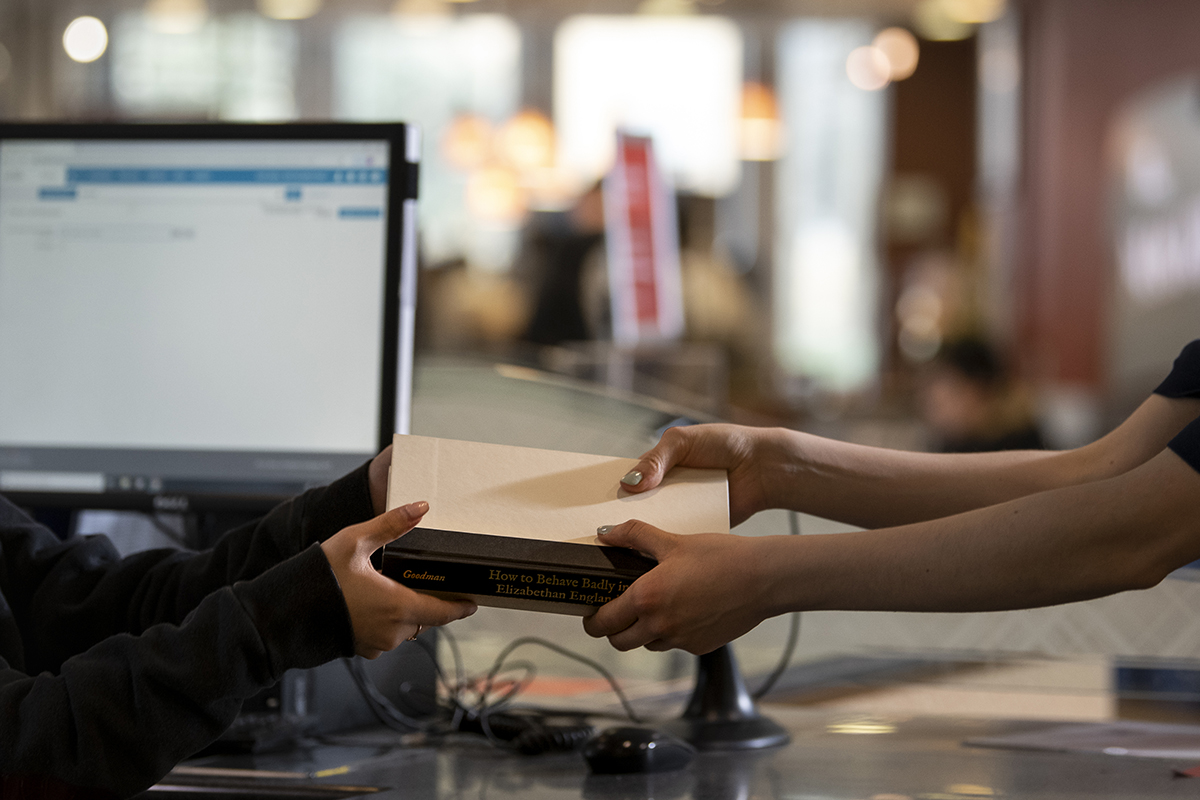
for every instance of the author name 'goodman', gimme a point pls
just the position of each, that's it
(423, 576)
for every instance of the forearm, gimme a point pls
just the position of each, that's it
(956, 533)
(875, 487)
(120, 715)
(287, 529)
(1053, 547)
(167, 591)
(66, 598)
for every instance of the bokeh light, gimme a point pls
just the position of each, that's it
(861, 727)
(495, 197)
(405, 11)
(467, 143)
(974, 12)
(526, 141)
(177, 17)
(901, 49)
(868, 68)
(667, 7)
(288, 9)
(761, 130)
(85, 39)
(932, 21)
(919, 310)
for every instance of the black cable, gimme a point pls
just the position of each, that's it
(486, 709)
(524, 640)
(453, 691)
(517, 686)
(785, 661)
(527, 730)
(383, 708)
(789, 648)
(540, 738)
(452, 643)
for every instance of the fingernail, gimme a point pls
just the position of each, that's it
(417, 508)
(632, 478)
(603, 529)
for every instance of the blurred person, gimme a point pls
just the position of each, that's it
(943, 531)
(971, 403)
(572, 301)
(114, 669)
(559, 314)
(719, 307)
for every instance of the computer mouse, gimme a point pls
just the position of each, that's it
(627, 749)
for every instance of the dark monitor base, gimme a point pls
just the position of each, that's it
(743, 734)
(721, 714)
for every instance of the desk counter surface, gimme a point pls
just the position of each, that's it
(829, 758)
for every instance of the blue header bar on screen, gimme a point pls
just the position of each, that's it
(253, 175)
(360, 213)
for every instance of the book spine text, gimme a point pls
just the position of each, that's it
(529, 583)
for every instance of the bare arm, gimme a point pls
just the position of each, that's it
(874, 487)
(1066, 544)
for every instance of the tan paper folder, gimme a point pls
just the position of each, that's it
(516, 526)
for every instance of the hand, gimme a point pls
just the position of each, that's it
(377, 478)
(708, 589)
(384, 613)
(730, 447)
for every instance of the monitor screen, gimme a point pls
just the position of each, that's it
(199, 315)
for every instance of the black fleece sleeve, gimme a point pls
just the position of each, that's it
(1184, 381)
(114, 670)
(81, 592)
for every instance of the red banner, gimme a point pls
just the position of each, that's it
(643, 246)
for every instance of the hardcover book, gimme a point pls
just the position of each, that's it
(515, 527)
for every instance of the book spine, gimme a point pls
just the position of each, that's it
(577, 589)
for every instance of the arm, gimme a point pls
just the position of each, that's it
(1062, 545)
(873, 487)
(67, 597)
(118, 715)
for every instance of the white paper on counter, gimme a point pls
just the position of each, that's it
(1117, 738)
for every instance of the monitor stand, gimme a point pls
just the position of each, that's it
(721, 714)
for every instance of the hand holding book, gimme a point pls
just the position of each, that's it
(383, 613)
(706, 590)
(748, 458)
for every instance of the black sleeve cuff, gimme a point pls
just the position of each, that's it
(1184, 380)
(298, 609)
(1186, 444)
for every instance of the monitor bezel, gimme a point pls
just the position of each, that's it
(403, 159)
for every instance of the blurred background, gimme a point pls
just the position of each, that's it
(931, 224)
(858, 182)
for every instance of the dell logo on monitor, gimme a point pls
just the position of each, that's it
(169, 502)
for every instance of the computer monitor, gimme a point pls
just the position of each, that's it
(201, 316)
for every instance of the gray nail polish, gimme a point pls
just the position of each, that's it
(632, 478)
(603, 529)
